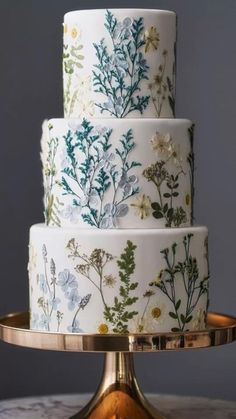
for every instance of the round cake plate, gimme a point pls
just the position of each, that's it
(118, 395)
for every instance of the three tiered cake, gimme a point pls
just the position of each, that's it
(118, 252)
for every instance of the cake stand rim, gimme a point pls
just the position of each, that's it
(13, 329)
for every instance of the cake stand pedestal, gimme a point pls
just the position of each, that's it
(118, 395)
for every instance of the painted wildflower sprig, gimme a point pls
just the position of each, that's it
(51, 204)
(186, 271)
(101, 170)
(49, 303)
(190, 160)
(142, 320)
(158, 174)
(72, 62)
(94, 267)
(118, 315)
(96, 262)
(118, 74)
(171, 85)
(162, 88)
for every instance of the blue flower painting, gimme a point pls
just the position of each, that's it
(119, 73)
(98, 178)
(50, 284)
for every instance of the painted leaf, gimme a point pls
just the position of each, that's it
(122, 210)
(173, 315)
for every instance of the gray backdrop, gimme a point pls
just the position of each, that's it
(31, 90)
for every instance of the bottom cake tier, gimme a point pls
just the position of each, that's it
(118, 281)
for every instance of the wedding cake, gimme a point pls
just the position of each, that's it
(118, 252)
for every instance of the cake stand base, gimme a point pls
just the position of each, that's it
(118, 395)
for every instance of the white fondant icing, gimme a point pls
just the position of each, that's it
(110, 281)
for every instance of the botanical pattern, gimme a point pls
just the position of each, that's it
(187, 272)
(112, 290)
(49, 303)
(119, 73)
(208, 269)
(94, 268)
(77, 102)
(162, 88)
(51, 204)
(99, 171)
(160, 176)
(191, 167)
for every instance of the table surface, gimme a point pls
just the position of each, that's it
(63, 406)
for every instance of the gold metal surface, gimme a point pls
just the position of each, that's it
(14, 329)
(118, 395)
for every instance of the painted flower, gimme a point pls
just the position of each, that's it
(73, 297)
(156, 312)
(142, 324)
(142, 206)
(123, 30)
(67, 280)
(103, 328)
(152, 39)
(111, 213)
(158, 279)
(71, 213)
(106, 160)
(75, 327)
(117, 63)
(109, 281)
(176, 155)
(90, 195)
(114, 105)
(141, 62)
(74, 32)
(127, 182)
(84, 301)
(54, 302)
(199, 320)
(162, 144)
(43, 284)
(148, 294)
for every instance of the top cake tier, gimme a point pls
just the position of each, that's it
(119, 63)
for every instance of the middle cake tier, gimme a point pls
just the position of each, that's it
(114, 173)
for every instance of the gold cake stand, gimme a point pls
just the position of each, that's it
(118, 395)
